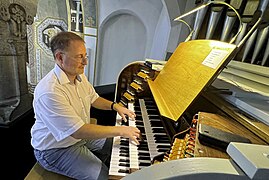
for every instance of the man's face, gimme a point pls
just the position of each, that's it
(74, 59)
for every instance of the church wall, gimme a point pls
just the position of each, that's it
(51, 18)
(123, 41)
(161, 37)
(15, 100)
(146, 15)
(151, 15)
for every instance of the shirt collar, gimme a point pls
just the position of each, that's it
(62, 77)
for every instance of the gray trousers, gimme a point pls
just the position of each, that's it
(84, 160)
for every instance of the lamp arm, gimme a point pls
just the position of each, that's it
(215, 2)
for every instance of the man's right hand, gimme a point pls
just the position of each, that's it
(130, 132)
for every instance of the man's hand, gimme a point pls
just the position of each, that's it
(130, 132)
(124, 111)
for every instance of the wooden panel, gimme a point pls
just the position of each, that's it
(193, 65)
(225, 124)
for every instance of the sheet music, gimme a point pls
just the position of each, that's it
(214, 58)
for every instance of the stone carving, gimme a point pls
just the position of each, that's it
(46, 30)
(15, 15)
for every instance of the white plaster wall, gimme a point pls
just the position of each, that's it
(145, 17)
(123, 41)
(161, 37)
(179, 31)
(148, 11)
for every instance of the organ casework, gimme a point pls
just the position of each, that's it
(183, 104)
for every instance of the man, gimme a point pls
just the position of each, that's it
(63, 139)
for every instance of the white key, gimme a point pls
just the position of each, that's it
(134, 164)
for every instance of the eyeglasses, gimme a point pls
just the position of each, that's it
(80, 58)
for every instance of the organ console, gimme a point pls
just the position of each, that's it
(189, 92)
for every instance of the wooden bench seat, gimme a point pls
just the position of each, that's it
(39, 173)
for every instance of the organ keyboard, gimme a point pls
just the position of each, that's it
(126, 156)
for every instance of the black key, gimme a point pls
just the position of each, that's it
(136, 103)
(143, 154)
(124, 154)
(144, 158)
(158, 130)
(124, 164)
(143, 144)
(144, 164)
(152, 111)
(150, 103)
(143, 148)
(123, 123)
(123, 171)
(139, 123)
(137, 108)
(124, 160)
(162, 150)
(160, 136)
(162, 141)
(156, 124)
(124, 142)
(163, 146)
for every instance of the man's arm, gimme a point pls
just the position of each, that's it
(92, 131)
(101, 103)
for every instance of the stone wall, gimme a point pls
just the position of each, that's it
(15, 15)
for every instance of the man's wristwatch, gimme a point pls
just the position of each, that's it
(112, 105)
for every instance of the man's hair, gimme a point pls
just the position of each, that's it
(62, 40)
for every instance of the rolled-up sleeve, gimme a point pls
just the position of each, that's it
(58, 115)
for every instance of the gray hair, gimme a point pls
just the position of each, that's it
(62, 40)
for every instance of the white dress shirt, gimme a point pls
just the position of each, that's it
(61, 108)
